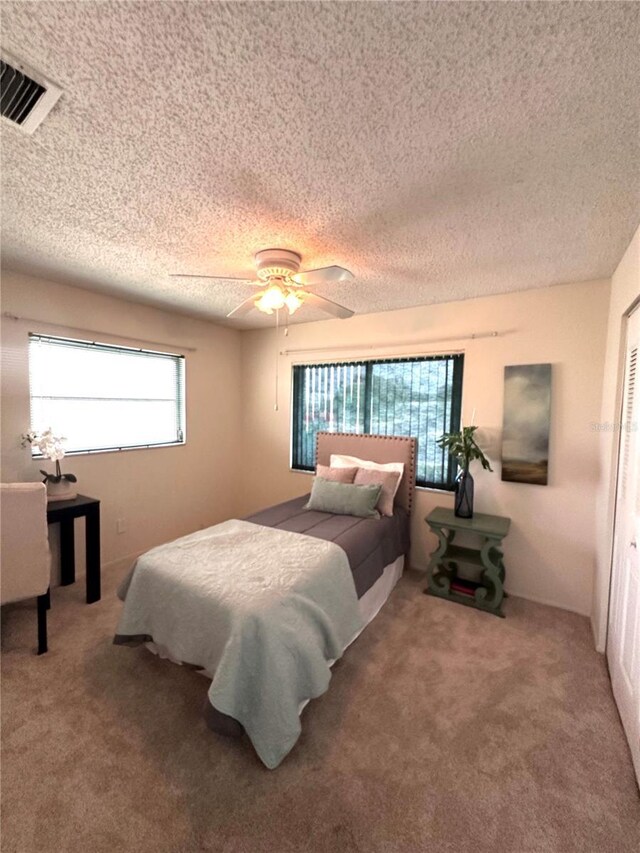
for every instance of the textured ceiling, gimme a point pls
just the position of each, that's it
(438, 150)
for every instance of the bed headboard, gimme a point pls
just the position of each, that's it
(377, 448)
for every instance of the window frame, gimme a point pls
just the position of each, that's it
(181, 387)
(456, 408)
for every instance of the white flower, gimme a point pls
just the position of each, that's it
(51, 446)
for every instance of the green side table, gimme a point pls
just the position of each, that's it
(485, 594)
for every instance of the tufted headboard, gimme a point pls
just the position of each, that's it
(377, 448)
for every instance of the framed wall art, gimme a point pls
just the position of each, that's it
(526, 423)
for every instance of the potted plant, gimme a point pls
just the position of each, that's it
(463, 447)
(59, 486)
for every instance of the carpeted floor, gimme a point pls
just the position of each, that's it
(444, 730)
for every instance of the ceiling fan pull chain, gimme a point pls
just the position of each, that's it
(275, 407)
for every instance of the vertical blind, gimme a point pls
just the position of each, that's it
(419, 397)
(104, 397)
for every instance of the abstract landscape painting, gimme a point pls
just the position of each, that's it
(527, 418)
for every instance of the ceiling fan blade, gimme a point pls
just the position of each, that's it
(244, 307)
(327, 305)
(324, 275)
(218, 277)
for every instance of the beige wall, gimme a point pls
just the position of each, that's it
(232, 426)
(625, 291)
(550, 552)
(161, 493)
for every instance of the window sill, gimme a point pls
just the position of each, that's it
(435, 490)
(100, 452)
(418, 488)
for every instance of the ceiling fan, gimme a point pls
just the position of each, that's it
(284, 286)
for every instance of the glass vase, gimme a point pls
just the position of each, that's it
(463, 506)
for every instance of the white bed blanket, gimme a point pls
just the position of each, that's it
(265, 610)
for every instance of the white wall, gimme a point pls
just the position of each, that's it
(550, 552)
(625, 291)
(161, 493)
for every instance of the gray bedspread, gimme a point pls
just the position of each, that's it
(369, 543)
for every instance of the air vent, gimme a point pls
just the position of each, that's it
(26, 97)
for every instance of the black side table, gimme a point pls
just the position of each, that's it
(63, 513)
(485, 594)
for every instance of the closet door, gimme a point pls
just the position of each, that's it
(623, 643)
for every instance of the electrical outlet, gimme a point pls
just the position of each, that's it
(121, 525)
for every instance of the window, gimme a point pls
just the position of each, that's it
(103, 397)
(418, 397)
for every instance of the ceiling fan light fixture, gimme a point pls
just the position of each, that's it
(271, 300)
(292, 301)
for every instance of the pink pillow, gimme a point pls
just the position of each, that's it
(336, 475)
(389, 482)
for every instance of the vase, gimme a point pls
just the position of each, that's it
(62, 491)
(463, 506)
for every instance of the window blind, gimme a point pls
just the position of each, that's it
(105, 397)
(419, 397)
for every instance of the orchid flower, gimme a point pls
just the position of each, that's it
(51, 446)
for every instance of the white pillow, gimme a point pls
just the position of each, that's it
(337, 460)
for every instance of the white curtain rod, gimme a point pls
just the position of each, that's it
(350, 347)
(93, 332)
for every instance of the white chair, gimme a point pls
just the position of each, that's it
(25, 564)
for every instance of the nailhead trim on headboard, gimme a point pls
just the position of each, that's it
(401, 438)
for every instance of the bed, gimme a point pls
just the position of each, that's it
(265, 605)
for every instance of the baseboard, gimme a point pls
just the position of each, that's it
(599, 641)
(123, 563)
(548, 602)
